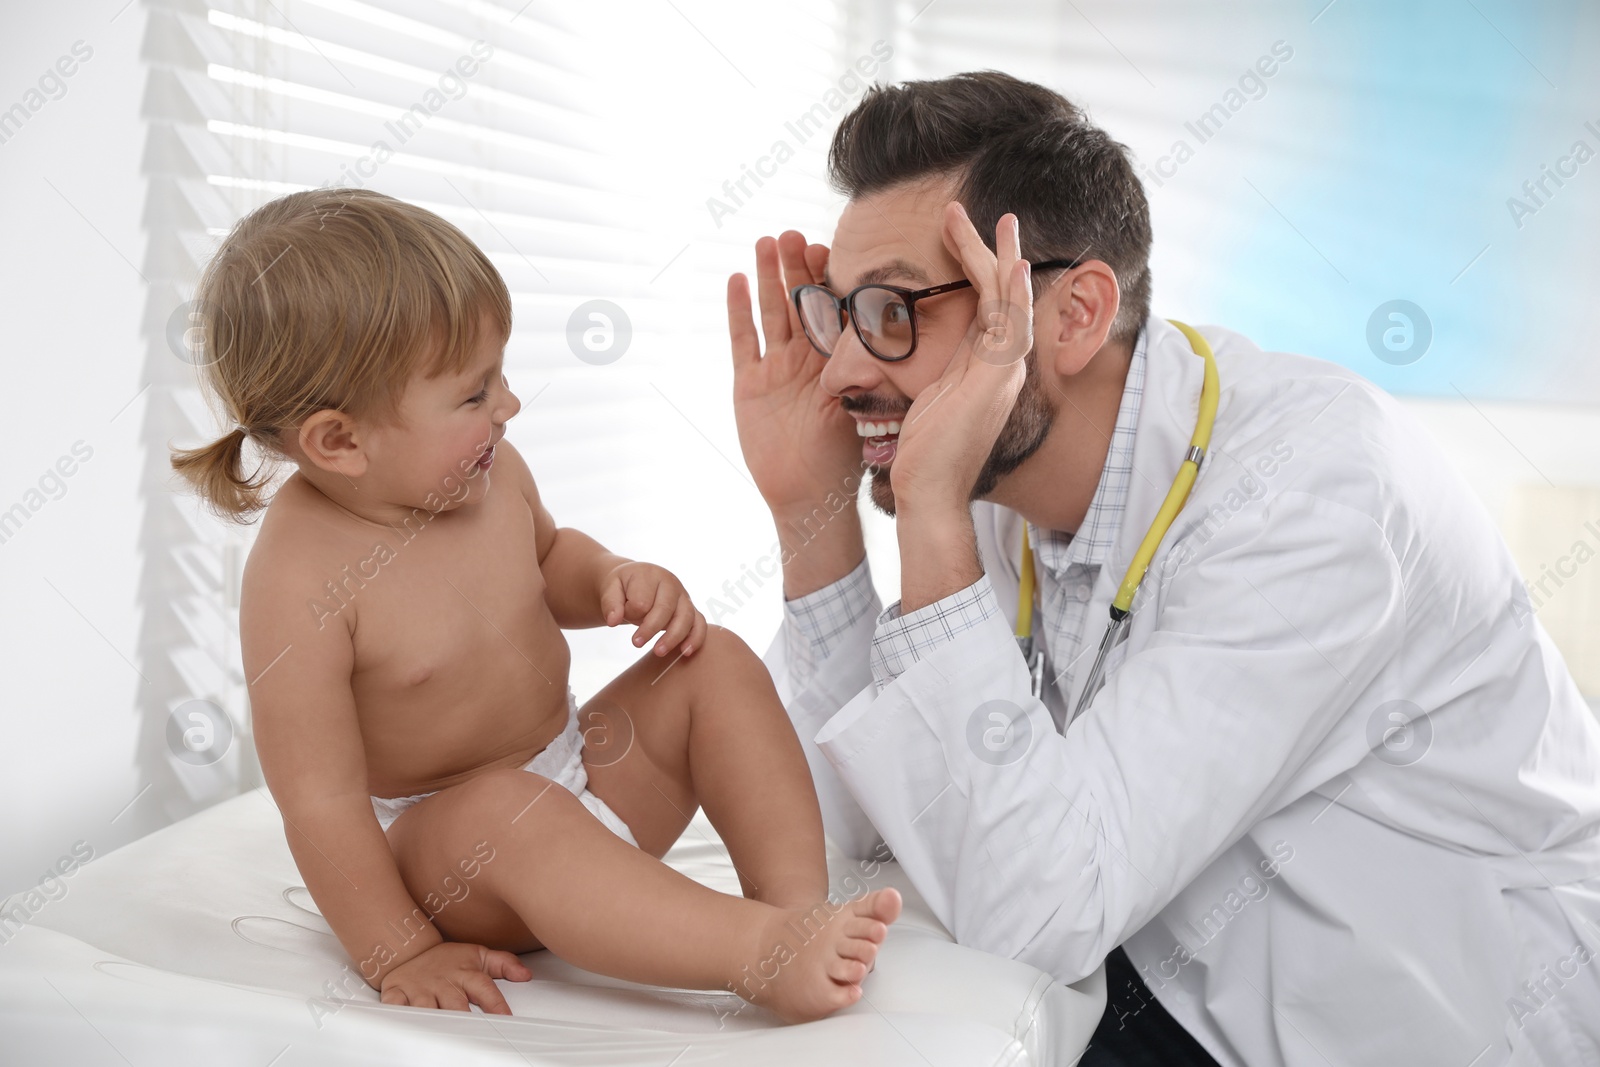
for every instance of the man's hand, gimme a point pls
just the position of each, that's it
(952, 425)
(452, 975)
(799, 444)
(653, 598)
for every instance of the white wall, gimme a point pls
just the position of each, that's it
(71, 298)
(1536, 467)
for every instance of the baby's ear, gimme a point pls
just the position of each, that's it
(332, 440)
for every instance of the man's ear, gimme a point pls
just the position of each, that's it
(1074, 314)
(334, 442)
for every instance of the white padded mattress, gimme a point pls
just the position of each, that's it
(199, 944)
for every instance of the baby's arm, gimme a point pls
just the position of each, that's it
(586, 585)
(307, 737)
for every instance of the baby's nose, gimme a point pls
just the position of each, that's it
(508, 410)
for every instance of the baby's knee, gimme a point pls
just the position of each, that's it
(725, 647)
(730, 660)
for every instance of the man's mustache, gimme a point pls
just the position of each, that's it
(872, 406)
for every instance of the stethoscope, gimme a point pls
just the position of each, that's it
(1122, 603)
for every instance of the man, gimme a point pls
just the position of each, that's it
(1337, 797)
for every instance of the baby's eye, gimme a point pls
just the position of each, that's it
(480, 398)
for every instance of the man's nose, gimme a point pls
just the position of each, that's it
(851, 368)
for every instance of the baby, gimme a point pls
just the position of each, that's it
(446, 800)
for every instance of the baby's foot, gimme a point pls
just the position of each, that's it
(811, 963)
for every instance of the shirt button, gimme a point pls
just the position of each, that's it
(1080, 592)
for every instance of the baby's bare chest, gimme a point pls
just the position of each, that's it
(447, 604)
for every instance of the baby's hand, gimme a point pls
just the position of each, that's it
(654, 598)
(450, 974)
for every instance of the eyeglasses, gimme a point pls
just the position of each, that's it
(881, 314)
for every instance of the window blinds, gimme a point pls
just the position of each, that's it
(578, 147)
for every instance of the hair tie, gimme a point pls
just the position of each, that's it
(241, 429)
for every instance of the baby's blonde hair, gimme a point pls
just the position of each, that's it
(328, 298)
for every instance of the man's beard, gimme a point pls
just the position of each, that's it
(1025, 430)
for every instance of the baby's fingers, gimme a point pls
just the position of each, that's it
(697, 635)
(658, 615)
(482, 991)
(613, 600)
(678, 628)
(500, 964)
(418, 997)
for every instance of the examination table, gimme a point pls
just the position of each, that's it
(198, 944)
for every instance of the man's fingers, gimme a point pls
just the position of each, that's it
(774, 297)
(1003, 327)
(482, 991)
(964, 243)
(816, 263)
(741, 325)
(792, 251)
(1008, 249)
(1022, 292)
(1015, 314)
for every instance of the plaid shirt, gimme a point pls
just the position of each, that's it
(1067, 567)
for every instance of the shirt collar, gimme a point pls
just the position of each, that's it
(1057, 549)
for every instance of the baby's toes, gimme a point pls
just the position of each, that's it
(857, 948)
(881, 904)
(847, 971)
(862, 929)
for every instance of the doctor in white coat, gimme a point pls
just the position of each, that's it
(1337, 798)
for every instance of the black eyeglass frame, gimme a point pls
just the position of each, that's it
(845, 304)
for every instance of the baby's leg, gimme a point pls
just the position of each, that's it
(557, 876)
(670, 734)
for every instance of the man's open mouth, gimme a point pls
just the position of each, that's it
(879, 441)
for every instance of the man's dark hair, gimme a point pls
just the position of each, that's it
(1014, 146)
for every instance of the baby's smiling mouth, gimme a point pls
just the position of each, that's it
(486, 460)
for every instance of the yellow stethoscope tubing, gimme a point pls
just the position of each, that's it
(1025, 589)
(1177, 496)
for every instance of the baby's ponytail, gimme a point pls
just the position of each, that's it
(216, 472)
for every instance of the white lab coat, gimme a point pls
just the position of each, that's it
(1221, 808)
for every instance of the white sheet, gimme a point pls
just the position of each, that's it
(198, 944)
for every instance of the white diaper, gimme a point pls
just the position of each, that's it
(561, 761)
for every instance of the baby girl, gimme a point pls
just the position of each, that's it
(401, 621)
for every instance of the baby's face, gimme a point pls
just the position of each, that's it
(440, 458)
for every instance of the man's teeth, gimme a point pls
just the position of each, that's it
(877, 429)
